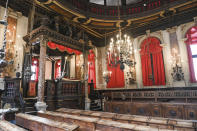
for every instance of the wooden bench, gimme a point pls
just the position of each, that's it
(7, 126)
(91, 124)
(164, 123)
(36, 123)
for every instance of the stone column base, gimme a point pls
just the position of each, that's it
(87, 104)
(41, 106)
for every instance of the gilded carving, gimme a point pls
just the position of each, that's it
(10, 47)
(100, 68)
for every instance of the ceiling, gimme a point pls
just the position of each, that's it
(99, 20)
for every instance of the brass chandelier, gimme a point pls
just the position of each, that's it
(120, 49)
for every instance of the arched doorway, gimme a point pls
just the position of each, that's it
(191, 44)
(152, 62)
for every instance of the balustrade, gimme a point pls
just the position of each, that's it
(102, 10)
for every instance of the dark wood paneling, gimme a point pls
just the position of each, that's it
(64, 93)
(177, 103)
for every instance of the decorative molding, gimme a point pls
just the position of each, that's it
(172, 30)
(47, 2)
(43, 40)
(185, 28)
(164, 45)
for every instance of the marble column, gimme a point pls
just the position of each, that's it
(183, 56)
(167, 57)
(87, 100)
(41, 105)
(138, 65)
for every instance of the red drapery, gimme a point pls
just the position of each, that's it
(152, 46)
(32, 88)
(35, 63)
(62, 48)
(57, 69)
(191, 39)
(117, 76)
(91, 68)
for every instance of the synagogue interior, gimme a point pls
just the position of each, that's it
(98, 65)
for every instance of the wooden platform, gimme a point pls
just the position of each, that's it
(7, 126)
(91, 124)
(163, 123)
(36, 123)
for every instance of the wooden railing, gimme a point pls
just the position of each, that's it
(101, 10)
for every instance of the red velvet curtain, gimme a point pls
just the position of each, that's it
(91, 68)
(152, 46)
(57, 69)
(191, 39)
(117, 77)
(146, 69)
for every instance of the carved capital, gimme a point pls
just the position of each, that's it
(164, 45)
(172, 30)
(148, 32)
(43, 40)
(183, 40)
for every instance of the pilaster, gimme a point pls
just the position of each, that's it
(138, 65)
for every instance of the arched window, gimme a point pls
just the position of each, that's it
(34, 69)
(191, 43)
(57, 69)
(152, 62)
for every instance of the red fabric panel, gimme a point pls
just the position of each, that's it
(117, 77)
(52, 45)
(32, 88)
(91, 68)
(191, 39)
(152, 46)
(159, 74)
(146, 70)
(62, 48)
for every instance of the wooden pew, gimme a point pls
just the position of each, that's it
(7, 126)
(36, 123)
(91, 124)
(164, 123)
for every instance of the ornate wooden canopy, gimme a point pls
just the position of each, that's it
(55, 37)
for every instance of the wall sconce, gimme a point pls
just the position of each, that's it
(177, 73)
(107, 76)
